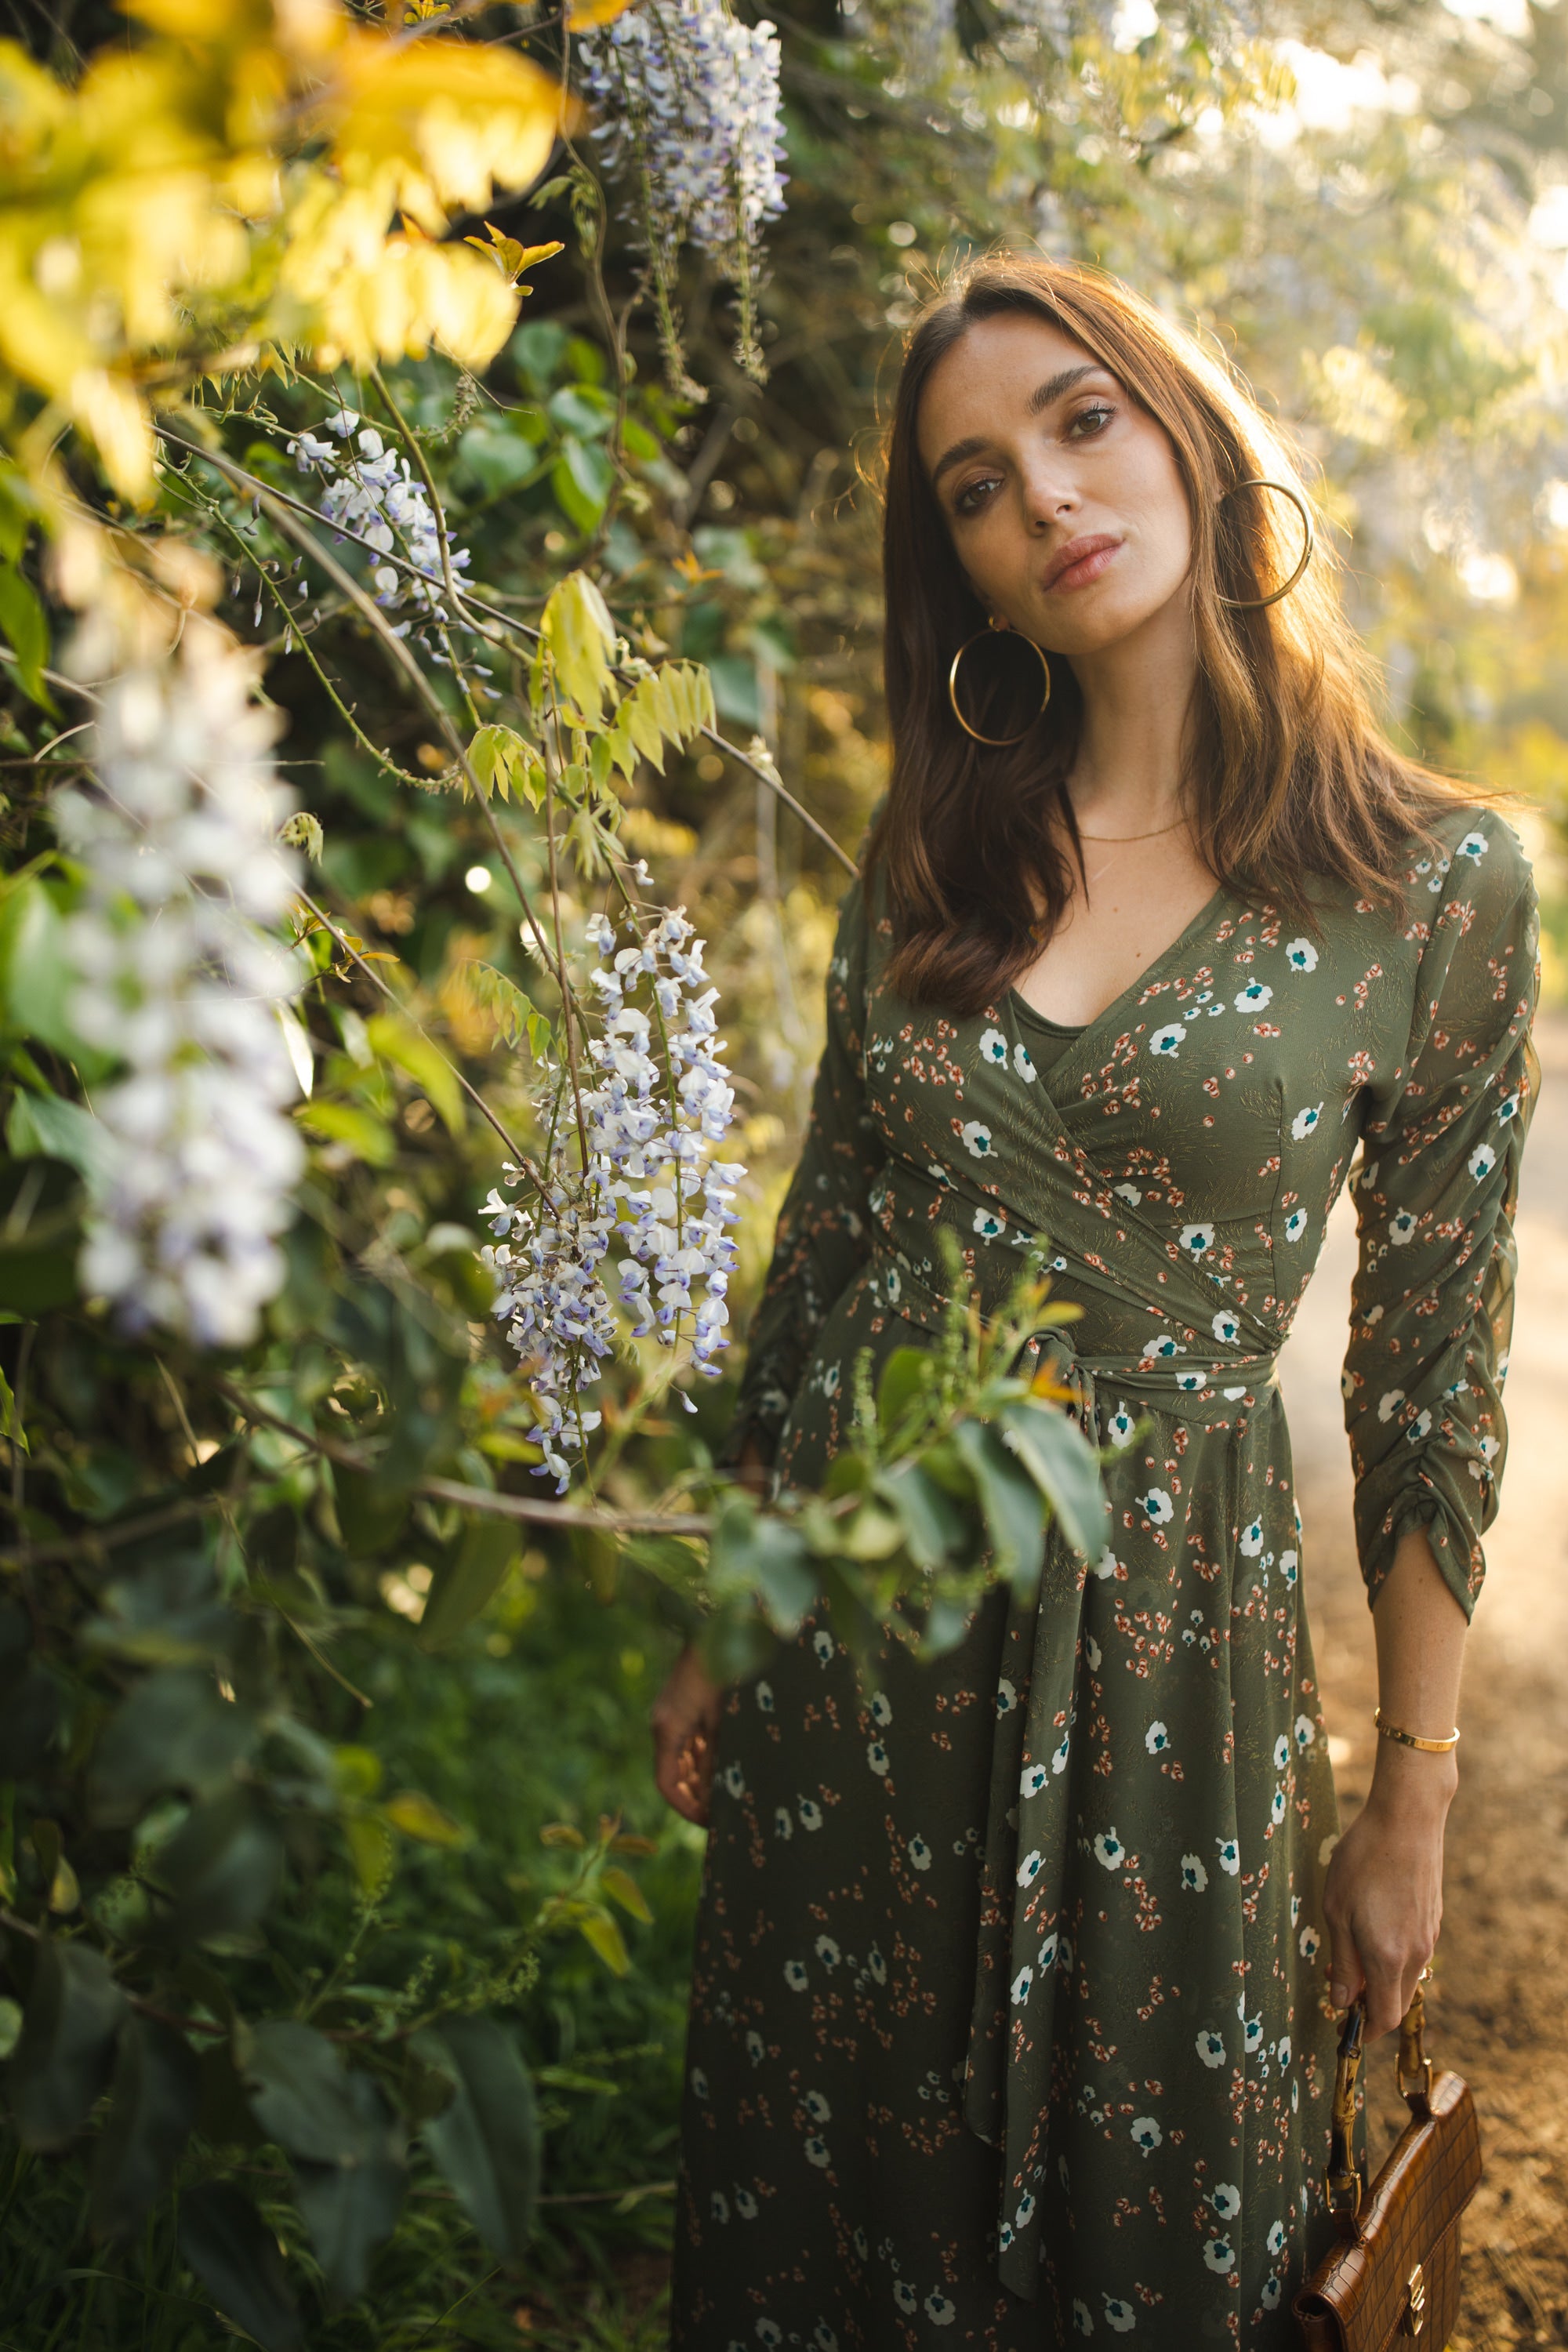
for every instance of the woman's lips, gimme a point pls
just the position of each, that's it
(1079, 562)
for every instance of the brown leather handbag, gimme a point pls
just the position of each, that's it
(1397, 2272)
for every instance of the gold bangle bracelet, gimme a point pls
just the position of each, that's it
(1411, 1739)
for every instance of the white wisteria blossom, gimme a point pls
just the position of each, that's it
(180, 980)
(370, 489)
(688, 110)
(641, 1170)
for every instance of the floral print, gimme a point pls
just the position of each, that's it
(1008, 1995)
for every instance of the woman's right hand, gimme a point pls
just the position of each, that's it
(685, 1721)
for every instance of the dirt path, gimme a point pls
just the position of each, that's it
(1501, 2014)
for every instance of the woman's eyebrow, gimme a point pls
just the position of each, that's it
(1039, 400)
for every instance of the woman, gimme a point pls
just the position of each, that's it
(1013, 2019)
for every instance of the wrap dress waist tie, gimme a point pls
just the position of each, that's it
(1024, 1950)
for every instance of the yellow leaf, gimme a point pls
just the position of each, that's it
(600, 1930)
(64, 1892)
(582, 14)
(561, 1833)
(510, 257)
(622, 1888)
(109, 413)
(357, 1770)
(370, 1849)
(418, 1816)
(576, 628)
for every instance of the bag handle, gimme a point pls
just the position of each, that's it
(1412, 2072)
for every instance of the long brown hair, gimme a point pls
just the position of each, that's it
(1287, 774)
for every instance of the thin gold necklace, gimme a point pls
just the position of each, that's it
(1110, 840)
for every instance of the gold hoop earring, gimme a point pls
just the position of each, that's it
(1259, 482)
(1002, 628)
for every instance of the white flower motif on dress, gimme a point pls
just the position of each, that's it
(1029, 1869)
(1108, 1850)
(1025, 2212)
(1282, 1752)
(734, 1780)
(1156, 1739)
(1156, 1506)
(823, 2337)
(770, 2333)
(827, 1952)
(1420, 1428)
(1119, 1429)
(994, 1047)
(1128, 1193)
(904, 2294)
(795, 1976)
(783, 1822)
(1305, 1122)
(1083, 2325)
(877, 1966)
(1252, 2034)
(810, 1813)
(1190, 1383)
(816, 2108)
(1194, 1877)
(1401, 1226)
(1282, 2049)
(990, 1224)
(764, 1696)
(1006, 1696)
(1226, 2201)
(1024, 1064)
(1211, 2047)
(1300, 955)
(1219, 2254)
(1159, 1348)
(1275, 2241)
(976, 1138)
(745, 2205)
(1254, 997)
(818, 2152)
(1196, 1238)
(920, 1852)
(1168, 1041)
(1032, 1780)
(1474, 847)
(1059, 1753)
(878, 1758)
(1119, 2315)
(1022, 1983)
(1146, 2133)
(756, 2050)
(1047, 1951)
(1306, 1732)
(1289, 1563)
(1105, 1567)
(1251, 1540)
(823, 1643)
(1481, 1161)
(1092, 1651)
(939, 2309)
(1226, 1327)
(1295, 1224)
(1229, 1855)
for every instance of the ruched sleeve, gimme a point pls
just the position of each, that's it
(1431, 1307)
(823, 1234)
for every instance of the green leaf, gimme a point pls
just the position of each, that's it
(298, 2091)
(505, 1003)
(767, 1557)
(372, 1509)
(396, 1041)
(581, 479)
(351, 2207)
(1062, 1463)
(221, 1868)
(485, 2141)
(935, 1526)
(368, 1138)
(1013, 1506)
(46, 1127)
(74, 2011)
(503, 762)
(157, 2091)
(418, 1816)
(37, 977)
(236, 2256)
(907, 1375)
(469, 1580)
(175, 1730)
(622, 1888)
(22, 619)
(580, 635)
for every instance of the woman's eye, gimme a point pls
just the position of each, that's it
(1094, 420)
(972, 497)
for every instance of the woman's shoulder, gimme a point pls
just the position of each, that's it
(1474, 854)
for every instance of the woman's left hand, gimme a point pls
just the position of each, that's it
(1382, 1898)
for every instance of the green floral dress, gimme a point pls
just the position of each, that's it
(1009, 2018)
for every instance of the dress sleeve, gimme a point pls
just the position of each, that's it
(823, 1234)
(1432, 1306)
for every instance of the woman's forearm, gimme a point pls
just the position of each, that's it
(1420, 1632)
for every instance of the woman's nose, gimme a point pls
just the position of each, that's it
(1049, 496)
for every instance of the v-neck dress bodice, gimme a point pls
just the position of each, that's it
(1009, 2017)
